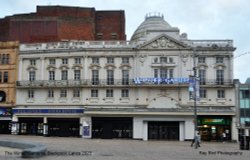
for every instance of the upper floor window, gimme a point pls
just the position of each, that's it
(50, 93)
(99, 36)
(94, 93)
(78, 60)
(30, 93)
(95, 77)
(125, 93)
(110, 60)
(52, 75)
(170, 60)
(203, 93)
(110, 77)
(245, 94)
(32, 75)
(125, 77)
(125, 60)
(77, 74)
(220, 93)
(219, 59)
(219, 77)
(163, 73)
(5, 77)
(52, 61)
(109, 93)
(64, 61)
(163, 59)
(64, 75)
(201, 59)
(76, 93)
(63, 93)
(32, 62)
(113, 36)
(4, 58)
(202, 76)
(95, 60)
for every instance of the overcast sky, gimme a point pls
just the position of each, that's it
(200, 19)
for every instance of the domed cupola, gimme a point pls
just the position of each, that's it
(153, 25)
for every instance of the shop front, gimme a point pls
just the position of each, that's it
(212, 128)
(47, 122)
(112, 127)
(5, 120)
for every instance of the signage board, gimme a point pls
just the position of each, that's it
(47, 111)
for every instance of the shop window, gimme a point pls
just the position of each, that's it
(2, 96)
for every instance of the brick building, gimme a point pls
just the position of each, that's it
(56, 23)
(8, 75)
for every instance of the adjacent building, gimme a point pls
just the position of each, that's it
(57, 23)
(135, 89)
(8, 77)
(243, 97)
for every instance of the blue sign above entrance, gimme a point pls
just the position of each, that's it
(47, 111)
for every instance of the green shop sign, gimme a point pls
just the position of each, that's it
(214, 121)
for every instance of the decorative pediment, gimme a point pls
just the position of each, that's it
(64, 67)
(51, 67)
(77, 66)
(125, 66)
(31, 67)
(163, 42)
(94, 66)
(110, 66)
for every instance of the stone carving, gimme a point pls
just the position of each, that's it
(162, 43)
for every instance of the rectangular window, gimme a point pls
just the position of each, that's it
(77, 74)
(245, 94)
(30, 93)
(109, 93)
(163, 73)
(32, 62)
(171, 73)
(76, 93)
(51, 75)
(110, 60)
(155, 73)
(95, 77)
(219, 77)
(163, 59)
(77, 60)
(110, 77)
(64, 75)
(170, 60)
(125, 93)
(201, 59)
(32, 75)
(125, 60)
(63, 93)
(220, 93)
(95, 60)
(5, 77)
(1, 77)
(64, 61)
(125, 77)
(5, 59)
(94, 93)
(219, 59)
(202, 76)
(203, 93)
(52, 61)
(50, 93)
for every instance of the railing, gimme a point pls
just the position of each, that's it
(117, 82)
(212, 43)
(75, 45)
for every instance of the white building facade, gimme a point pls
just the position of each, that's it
(136, 89)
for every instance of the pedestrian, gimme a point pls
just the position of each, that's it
(198, 139)
(224, 137)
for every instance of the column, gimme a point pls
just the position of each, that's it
(45, 127)
(181, 131)
(86, 127)
(15, 125)
(85, 73)
(145, 131)
(20, 68)
(42, 68)
(234, 129)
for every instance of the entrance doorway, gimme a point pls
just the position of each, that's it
(63, 127)
(5, 127)
(31, 126)
(163, 130)
(112, 127)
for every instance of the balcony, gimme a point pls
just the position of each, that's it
(136, 82)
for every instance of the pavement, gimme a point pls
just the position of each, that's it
(69, 148)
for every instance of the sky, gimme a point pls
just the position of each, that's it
(200, 19)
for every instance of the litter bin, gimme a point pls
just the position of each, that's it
(242, 143)
(247, 143)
